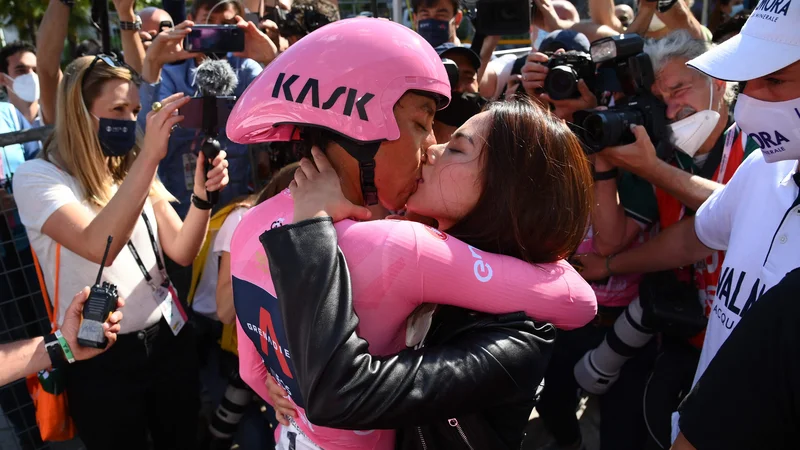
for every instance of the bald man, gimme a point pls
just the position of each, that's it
(624, 13)
(152, 18)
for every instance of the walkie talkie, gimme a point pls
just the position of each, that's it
(101, 303)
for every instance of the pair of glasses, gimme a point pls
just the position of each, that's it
(111, 61)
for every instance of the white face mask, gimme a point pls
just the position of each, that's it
(775, 126)
(26, 87)
(736, 9)
(656, 24)
(689, 134)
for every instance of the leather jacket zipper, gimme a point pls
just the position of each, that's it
(422, 439)
(454, 423)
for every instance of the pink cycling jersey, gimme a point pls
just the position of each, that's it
(394, 266)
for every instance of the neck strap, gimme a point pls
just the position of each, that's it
(365, 155)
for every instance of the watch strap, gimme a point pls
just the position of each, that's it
(606, 175)
(69, 3)
(65, 347)
(131, 26)
(199, 203)
(54, 351)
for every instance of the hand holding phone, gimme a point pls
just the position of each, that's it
(215, 39)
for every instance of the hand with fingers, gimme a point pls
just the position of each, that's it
(160, 121)
(534, 72)
(217, 177)
(72, 322)
(564, 109)
(639, 157)
(257, 45)
(284, 408)
(592, 266)
(317, 192)
(166, 47)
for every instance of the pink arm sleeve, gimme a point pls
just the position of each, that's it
(251, 368)
(448, 271)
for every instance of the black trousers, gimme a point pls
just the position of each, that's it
(147, 382)
(621, 420)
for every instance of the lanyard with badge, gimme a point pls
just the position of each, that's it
(164, 293)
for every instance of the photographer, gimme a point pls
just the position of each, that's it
(462, 66)
(162, 80)
(93, 181)
(710, 150)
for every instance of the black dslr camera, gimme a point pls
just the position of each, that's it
(566, 69)
(634, 75)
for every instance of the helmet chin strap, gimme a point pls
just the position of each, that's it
(365, 155)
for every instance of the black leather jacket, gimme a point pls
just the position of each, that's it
(471, 386)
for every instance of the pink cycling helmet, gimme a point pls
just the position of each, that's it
(344, 77)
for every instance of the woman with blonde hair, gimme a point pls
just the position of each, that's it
(95, 179)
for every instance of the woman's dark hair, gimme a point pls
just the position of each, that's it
(537, 193)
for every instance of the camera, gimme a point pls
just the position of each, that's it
(600, 129)
(499, 17)
(451, 68)
(228, 414)
(622, 67)
(566, 69)
(666, 305)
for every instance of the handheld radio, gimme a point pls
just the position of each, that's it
(101, 303)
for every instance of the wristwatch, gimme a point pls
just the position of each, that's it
(130, 26)
(606, 175)
(199, 203)
(54, 351)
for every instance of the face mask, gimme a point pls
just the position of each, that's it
(656, 24)
(690, 133)
(117, 137)
(435, 31)
(26, 87)
(775, 126)
(736, 9)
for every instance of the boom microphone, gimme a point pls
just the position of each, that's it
(214, 78)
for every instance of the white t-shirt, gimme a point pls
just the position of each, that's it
(41, 188)
(205, 299)
(742, 219)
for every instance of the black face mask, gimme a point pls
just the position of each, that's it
(461, 108)
(117, 137)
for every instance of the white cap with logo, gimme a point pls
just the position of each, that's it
(768, 42)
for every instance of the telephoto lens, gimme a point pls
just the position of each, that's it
(611, 127)
(599, 368)
(229, 412)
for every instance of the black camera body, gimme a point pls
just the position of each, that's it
(634, 76)
(566, 69)
(499, 17)
(451, 68)
(671, 306)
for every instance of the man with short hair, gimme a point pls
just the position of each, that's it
(306, 16)
(19, 79)
(437, 20)
(154, 20)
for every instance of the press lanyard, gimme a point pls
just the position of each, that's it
(138, 259)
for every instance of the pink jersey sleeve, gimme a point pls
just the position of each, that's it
(434, 267)
(251, 367)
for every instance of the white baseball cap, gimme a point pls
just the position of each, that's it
(768, 42)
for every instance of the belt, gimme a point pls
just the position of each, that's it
(146, 336)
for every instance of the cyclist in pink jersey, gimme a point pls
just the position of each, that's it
(493, 361)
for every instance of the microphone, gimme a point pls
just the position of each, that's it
(214, 78)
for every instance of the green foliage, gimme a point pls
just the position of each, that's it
(26, 15)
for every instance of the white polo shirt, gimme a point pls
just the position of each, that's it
(755, 218)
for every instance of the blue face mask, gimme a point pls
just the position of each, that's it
(117, 137)
(435, 31)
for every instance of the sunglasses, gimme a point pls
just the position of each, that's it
(111, 61)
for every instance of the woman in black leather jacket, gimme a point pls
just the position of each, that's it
(470, 383)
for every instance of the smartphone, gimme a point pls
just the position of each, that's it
(193, 112)
(214, 39)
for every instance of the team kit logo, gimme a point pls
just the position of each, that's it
(772, 10)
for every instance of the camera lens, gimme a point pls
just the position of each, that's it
(606, 128)
(561, 83)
